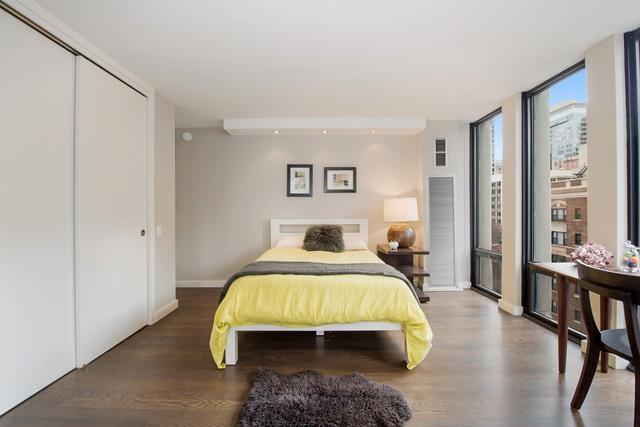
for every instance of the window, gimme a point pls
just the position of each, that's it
(576, 291)
(632, 71)
(486, 202)
(558, 238)
(578, 239)
(554, 306)
(558, 214)
(555, 182)
(577, 316)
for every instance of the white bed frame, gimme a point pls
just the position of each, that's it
(289, 227)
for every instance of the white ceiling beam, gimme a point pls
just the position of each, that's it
(320, 126)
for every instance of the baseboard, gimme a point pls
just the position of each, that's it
(514, 310)
(465, 285)
(159, 314)
(443, 289)
(614, 361)
(200, 283)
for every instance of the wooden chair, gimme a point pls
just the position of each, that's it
(621, 342)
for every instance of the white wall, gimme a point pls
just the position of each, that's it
(228, 187)
(165, 249)
(457, 136)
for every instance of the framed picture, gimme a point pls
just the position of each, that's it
(299, 180)
(339, 180)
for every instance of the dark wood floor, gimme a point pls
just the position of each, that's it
(486, 369)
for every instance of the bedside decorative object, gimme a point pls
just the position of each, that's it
(339, 180)
(393, 245)
(299, 180)
(630, 254)
(593, 254)
(400, 211)
(402, 260)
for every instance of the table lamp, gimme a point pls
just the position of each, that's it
(400, 211)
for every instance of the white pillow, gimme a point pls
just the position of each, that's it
(353, 242)
(294, 241)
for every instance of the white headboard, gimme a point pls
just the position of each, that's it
(293, 227)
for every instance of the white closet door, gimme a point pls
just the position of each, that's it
(36, 212)
(111, 211)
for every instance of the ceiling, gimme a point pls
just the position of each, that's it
(221, 59)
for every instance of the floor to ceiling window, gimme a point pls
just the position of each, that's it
(632, 63)
(486, 203)
(556, 185)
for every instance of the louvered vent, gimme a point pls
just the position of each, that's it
(441, 233)
(441, 152)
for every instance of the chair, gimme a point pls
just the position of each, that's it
(621, 342)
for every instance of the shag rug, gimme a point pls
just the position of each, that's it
(309, 398)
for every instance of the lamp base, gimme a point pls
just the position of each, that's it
(403, 234)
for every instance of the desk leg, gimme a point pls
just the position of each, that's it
(563, 327)
(604, 324)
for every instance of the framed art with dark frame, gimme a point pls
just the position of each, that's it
(340, 180)
(299, 180)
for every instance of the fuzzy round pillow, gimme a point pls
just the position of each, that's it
(324, 238)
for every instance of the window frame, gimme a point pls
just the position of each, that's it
(473, 193)
(527, 198)
(633, 139)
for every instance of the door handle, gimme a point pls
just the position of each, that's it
(143, 232)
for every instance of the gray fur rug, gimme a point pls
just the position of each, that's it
(311, 399)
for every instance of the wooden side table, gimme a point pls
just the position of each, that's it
(565, 273)
(402, 260)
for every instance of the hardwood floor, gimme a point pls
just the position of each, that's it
(486, 369)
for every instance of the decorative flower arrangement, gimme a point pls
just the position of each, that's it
(593, 254)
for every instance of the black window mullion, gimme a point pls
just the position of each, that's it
(528, 157)
(477, 252)
(632, 40)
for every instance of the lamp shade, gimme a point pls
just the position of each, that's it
(402, 209)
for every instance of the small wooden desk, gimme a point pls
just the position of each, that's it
(564, 273)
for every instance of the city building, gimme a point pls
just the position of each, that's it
(569, 218)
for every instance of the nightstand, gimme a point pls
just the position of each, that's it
(402, 260)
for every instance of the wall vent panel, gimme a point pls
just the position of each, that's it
(441, 233)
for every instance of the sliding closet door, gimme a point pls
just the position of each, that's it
(111, 211)
(36, 212)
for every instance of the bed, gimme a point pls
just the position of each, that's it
(355, 299)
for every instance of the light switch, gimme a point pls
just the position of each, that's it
(158, 231)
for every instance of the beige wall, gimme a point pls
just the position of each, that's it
(511, 300)
(229, 187)
(165, 246)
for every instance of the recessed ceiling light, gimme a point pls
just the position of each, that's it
(275, 132)
(373, 131)
(324, 132)
(187, 136)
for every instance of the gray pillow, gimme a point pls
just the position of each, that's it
(324, 238)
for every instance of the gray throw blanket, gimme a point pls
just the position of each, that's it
(262, 268)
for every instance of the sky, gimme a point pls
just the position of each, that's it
(573, 87)
(497, 123)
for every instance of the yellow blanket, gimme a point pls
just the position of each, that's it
(306, 301)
